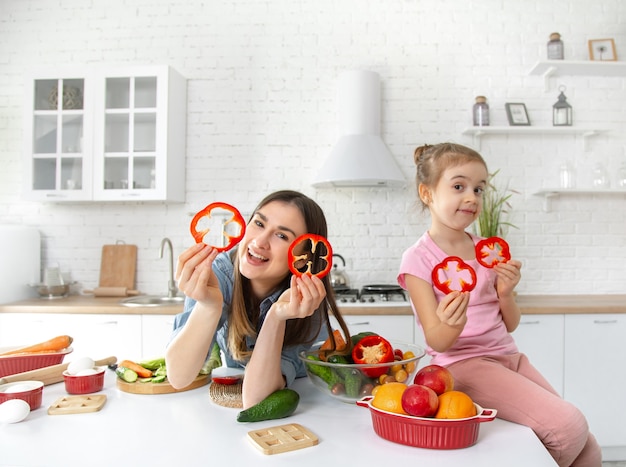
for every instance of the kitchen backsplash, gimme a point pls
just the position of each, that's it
(261, 116)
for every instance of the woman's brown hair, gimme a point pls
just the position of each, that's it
(244, 312)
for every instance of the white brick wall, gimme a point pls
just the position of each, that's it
(261, 116)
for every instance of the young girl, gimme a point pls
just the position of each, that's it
(248, 301)
(469, 332)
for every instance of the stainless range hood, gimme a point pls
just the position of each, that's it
(360, 157)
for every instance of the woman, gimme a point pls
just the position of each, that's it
(469, 332)
(248, 302)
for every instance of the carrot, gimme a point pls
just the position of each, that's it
(327, 346)
(141, 371)
(55, 344)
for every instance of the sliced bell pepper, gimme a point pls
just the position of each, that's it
(371, 350)
(310, 254)
(491, 251)
(223, 221)
(454, 274)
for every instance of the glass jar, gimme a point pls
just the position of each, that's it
(600, 176)
(621, 175)
(481, 111)
(555, 47)
(567, 176)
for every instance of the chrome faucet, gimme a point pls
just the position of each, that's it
(172, 290)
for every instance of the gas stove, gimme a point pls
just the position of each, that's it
(371, 295)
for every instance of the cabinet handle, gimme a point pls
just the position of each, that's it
(362, 323)
(108, 323)
(604, 321)
(530, 322)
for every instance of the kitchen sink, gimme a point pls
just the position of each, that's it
(152, 300)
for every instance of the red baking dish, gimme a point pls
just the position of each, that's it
(430, 433)
(13, 364)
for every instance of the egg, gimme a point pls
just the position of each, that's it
(87, 372)
(81, 363)
(13, 411)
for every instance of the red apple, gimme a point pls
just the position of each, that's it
(420, 401)
(436, 377)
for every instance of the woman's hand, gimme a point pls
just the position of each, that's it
(452, 309)
(302, 298)
(509, 275)
(194, 274)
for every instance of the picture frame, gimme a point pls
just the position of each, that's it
(517, 114)
(602, 50)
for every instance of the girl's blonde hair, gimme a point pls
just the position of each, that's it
(432, 160)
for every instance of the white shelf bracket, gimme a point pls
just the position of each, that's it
(546, 77)
(478, 140)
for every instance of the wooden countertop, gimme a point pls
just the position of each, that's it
(86, 304)
(529, 304)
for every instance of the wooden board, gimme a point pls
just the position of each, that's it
(77, 404)
(159, 388)
(118, 266)
(283, 438)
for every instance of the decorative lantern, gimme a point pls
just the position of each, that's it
(562, 111)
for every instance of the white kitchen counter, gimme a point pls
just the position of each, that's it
(189, 429)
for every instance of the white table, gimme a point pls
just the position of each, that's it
(188, 429)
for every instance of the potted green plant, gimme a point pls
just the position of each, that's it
(493, 219)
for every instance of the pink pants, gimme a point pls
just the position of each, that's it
(520, 394)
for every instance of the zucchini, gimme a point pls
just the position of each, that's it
(126, 374)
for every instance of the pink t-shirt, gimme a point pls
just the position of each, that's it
(485, 332)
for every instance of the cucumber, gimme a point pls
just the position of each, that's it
(326, 373)
(126, 374)
(279, 404)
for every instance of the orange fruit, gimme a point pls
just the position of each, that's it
(455, 404)
(388, 397)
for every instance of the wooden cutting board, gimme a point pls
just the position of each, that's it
(118, 266)
(159, 388)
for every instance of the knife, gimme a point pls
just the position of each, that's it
(50, 374)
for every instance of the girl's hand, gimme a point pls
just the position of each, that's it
(194, 274)
(302, 298)
(452, 309)
(509, 275)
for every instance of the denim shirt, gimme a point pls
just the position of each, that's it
(291, 366)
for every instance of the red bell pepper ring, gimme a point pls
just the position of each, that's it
(454, 274)
(310, 254)
(372, 350)
(223, 221)
(491, 251)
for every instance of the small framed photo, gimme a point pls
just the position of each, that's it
(602, 50)
(517, 115)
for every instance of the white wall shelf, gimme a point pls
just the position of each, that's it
(551, 193)
(479, 131)
(549, 68)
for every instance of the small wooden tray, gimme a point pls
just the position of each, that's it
(77, 404)
(283, 438)
(159, 388)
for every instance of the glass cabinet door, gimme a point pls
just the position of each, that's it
(130, 135)
(58, 121)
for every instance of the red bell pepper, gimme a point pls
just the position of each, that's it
(491, 251)
(310, 254)
(454, 274)
(372, 350)
(226, 222)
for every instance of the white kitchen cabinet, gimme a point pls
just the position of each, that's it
(95, 336)
(139, 137)
(595, 374)
(57, 137)
(156, 331)
(114, 135)
(541, 338)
